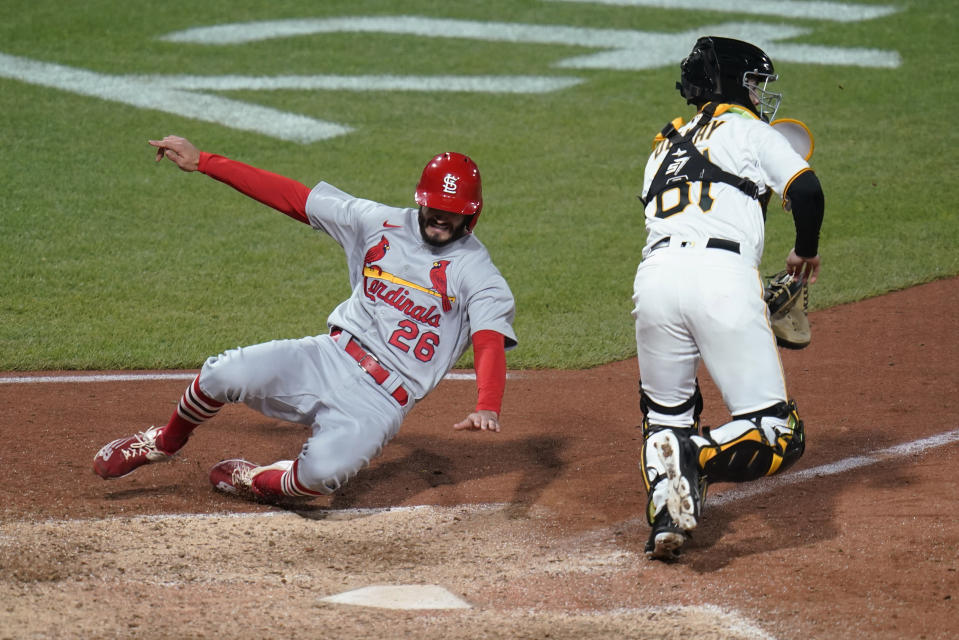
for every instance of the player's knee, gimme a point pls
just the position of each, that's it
(217, 378)
(755, 445)
(323, 477)
(687, 412)
(225, 377)
(246, 373)
(327, 468)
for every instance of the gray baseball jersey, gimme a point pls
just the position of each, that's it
(413, 305)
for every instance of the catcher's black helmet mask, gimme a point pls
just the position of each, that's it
(728, 70)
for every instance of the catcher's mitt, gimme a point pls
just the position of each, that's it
(788, 302)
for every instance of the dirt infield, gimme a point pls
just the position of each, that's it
(538, 528)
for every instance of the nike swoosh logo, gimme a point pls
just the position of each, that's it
(392, 226)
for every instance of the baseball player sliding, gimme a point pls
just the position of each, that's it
(423, 289)
(698, 294)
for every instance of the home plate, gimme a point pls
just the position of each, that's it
(403, 596)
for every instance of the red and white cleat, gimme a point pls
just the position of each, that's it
(124, 455)
(236, 476)
(233, 476)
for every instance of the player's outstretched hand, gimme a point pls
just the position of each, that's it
(178, 150)
(802, 268)
(481, 420)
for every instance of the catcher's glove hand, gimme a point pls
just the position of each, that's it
(788, 302)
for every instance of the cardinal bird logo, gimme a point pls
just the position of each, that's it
(438, 278)
(377, 251)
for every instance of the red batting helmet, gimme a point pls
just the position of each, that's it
(451, 182)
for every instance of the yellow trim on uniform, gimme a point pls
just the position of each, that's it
(734, 108)
(789, 183)
(379, 274)
(677, 124)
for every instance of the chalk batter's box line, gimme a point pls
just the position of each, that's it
(138, 377)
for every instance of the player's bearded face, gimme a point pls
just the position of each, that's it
(441, 227)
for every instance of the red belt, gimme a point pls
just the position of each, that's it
(372, 366)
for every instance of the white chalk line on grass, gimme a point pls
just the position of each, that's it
(136, 377)
(107, 377)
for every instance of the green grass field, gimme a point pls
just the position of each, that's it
(111, 261)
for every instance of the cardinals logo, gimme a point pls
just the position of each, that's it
(449, 183)
(438, 279)
(377, 251)
(391, 289)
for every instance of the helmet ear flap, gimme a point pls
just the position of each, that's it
(699, 73)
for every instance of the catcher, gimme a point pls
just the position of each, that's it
(698, 295)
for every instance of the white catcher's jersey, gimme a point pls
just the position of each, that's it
(397, 308)
(738, 142)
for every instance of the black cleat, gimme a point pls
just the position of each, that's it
(666, 539)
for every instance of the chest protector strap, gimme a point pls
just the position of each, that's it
(684, 163)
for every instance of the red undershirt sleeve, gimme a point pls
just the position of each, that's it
(279, 192)
(489, 360)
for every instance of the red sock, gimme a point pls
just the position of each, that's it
(269, 483)
(277, 482)
(195, 407)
